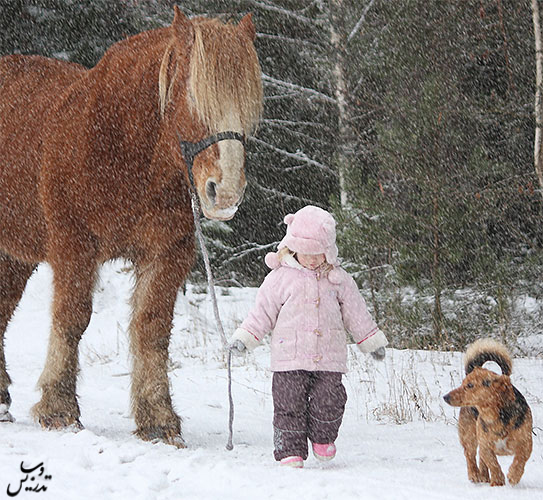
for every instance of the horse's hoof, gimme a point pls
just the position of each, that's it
(164, 435)
(56, 422)
(5, 415)
(176, 441)
(5, 402)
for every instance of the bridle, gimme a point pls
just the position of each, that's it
(190, 150)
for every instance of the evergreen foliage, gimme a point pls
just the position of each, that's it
(443, 213)
(443, 197)
(76, 30)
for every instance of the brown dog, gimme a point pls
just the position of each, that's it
(494, 416)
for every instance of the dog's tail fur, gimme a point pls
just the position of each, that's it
(483, 350)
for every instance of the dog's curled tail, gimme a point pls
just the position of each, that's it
(483, 350)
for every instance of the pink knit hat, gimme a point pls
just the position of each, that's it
(311, 230)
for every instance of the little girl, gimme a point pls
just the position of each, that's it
(309, 304)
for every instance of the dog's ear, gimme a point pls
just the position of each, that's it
(505, 389)
(502, 383)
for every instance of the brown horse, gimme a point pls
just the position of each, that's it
(91, 170)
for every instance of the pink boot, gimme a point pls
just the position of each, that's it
(324, 452)
(294, 461)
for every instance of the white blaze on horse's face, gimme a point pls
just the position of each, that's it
(220, 197)
(231, 189)
(222, 192)
(221, 183)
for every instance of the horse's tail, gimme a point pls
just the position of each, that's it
(483, 350)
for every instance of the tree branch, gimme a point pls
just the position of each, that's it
(284, 12)
(287, 39)
(297, 88)
(360, 21)
(287, 197)
(252, 248)
(298, 156)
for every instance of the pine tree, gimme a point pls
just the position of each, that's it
(78, 31)
(442, 159)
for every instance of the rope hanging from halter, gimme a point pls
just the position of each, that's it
(189, 150)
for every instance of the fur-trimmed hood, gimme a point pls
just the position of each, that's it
(333, 273)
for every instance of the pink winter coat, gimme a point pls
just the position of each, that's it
(309, 316)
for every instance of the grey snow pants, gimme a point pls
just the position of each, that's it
(307, 405)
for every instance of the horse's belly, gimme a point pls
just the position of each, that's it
(22, 230)
(22, 225)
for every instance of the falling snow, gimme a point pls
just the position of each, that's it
(398, 439)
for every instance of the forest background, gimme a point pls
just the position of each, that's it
(411, 120)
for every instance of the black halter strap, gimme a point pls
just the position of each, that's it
(189, 150)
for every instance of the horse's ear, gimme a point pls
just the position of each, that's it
(182, 26)
(246, 26)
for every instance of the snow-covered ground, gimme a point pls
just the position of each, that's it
(398, 438)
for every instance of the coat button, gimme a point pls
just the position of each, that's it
(317, 332)
(317, 302)
(317, 358)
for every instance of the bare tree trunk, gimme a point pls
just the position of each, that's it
(337, 41)
(339, 17)
(538, 153)
(436, 275)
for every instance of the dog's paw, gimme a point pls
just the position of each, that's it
(478, 474)
(479, 478)
(497, 481)
(484, 478)
(513, 478)
(474, 477)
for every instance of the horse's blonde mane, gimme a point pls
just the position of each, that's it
(224, 76)
(165, 89)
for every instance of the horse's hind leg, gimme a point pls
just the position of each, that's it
(13, 277)
(157, 284)
(73, 283)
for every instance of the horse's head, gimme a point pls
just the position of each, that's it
(210, 82)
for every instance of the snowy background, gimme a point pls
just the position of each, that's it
(398, 439)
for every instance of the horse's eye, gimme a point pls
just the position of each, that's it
(469, 386)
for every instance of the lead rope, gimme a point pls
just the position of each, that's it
(189, 150)
(211, 285)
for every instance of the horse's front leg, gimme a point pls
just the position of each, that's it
(73, 284)
(13, 277)
(157, 283)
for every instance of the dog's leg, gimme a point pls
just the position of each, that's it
(517, 467)
(489, 458)
(516, 470)
(483, 472)
(470, 452)
(468, 439)
(522, 448)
